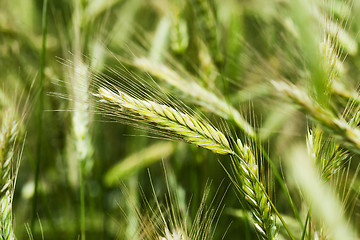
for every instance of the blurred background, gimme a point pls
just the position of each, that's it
(51, 50)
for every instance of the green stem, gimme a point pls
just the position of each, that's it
(309, 234)
(40, 115)
(306, 222)
(82, 201)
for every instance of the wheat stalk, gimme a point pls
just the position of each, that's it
(8, 167)
(185, 126)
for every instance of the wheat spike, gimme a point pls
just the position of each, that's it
(328, 155)
(79, 145)
(329, 158)
(186, 127)
(8, 136)
(247, 173)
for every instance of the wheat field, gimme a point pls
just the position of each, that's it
(179, 120)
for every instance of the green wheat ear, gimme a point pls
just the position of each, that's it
(343, 131)
(186, 127)
(328, 155)
(8, 167)
(247, 182)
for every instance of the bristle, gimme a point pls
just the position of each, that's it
(167, 221)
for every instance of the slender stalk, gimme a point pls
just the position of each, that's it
(305, 225)
(40, 115)
(82, 201)
(309, 233)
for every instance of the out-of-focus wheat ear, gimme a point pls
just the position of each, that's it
(206, 25)
(325, 205)
(337, 44)
(338, 27)
(79, 143)
(179, 35)
(10, 129)
(331, 59)
(328, 155)
(199, 95)
(139, 160)
(248, 183)
(338, 127)
(186, 127)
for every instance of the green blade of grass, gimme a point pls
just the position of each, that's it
(40, 114)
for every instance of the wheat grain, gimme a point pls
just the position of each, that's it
(329, 157)
(179, 35)
(183, 125)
